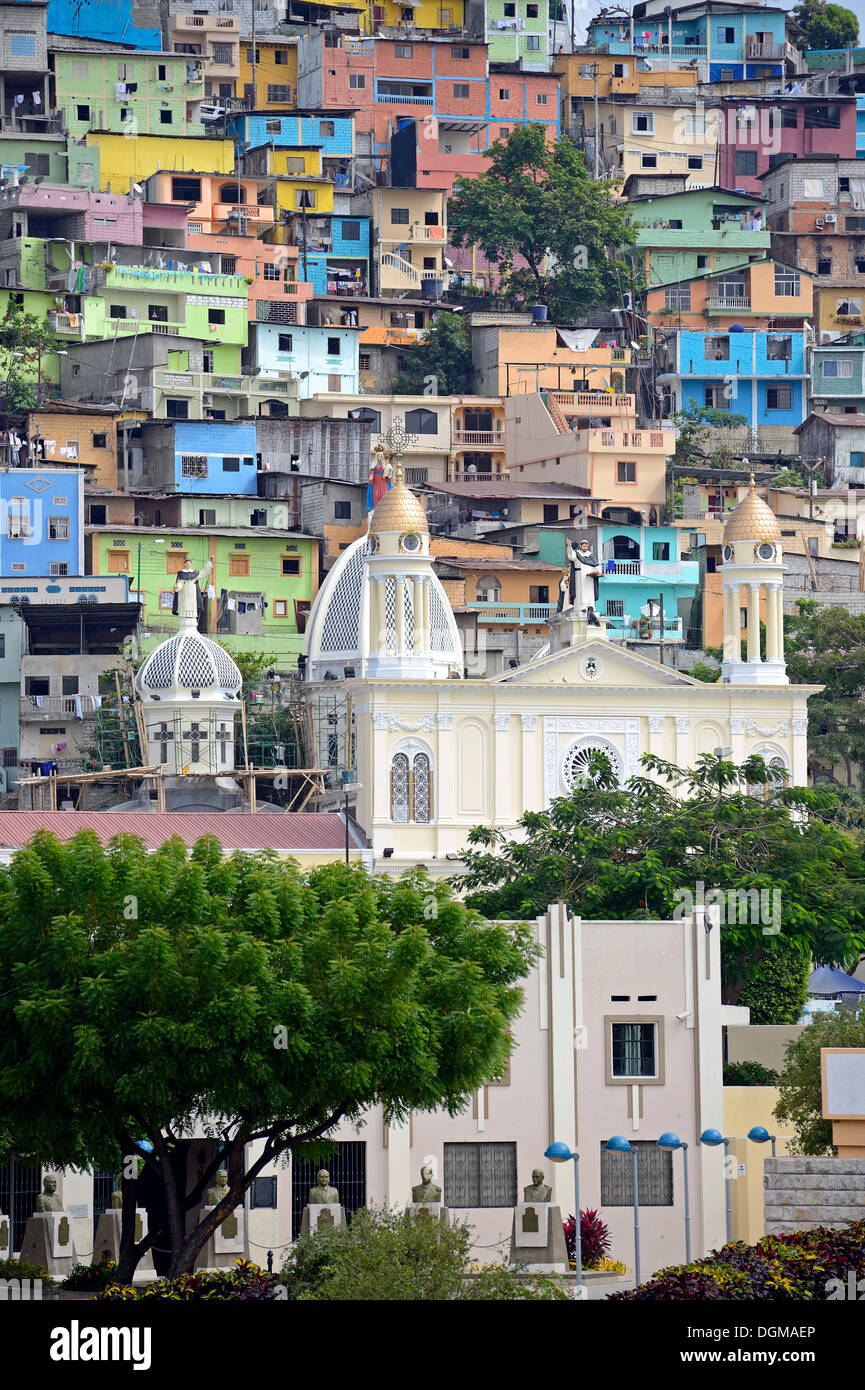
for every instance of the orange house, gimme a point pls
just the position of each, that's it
(273, 271)
(750, 294)
(233, 203)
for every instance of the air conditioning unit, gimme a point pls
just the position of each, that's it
(818, 224)
(831, 218)
(207, 398)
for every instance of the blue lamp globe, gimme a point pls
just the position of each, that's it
(669, 1140)
(759, 1134)
(618, 1144)
(711, 1137)
(558, 1152)
(144, 1145)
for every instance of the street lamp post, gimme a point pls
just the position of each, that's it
(561, 1153)
(712, 1138)
(669, 1140)
(619, 1145)
(758, 1134)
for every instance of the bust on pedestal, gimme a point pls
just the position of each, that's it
(537, 1235)
(48, 1233)
(109, 1229)
(228, 1242)
(426, 1196)
(323, 1211)
(5, 1239)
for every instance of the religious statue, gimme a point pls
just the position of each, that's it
(584, 574)
(426, 1190)
(322, 1192)
(538, 1191)
(217, 1193)
(188, 599)
(48, 1199)
(564, 603)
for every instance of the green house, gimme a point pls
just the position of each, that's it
(127, 92)
(260, 589)
(699, 230)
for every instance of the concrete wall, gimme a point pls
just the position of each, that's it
(744, 1107)
(761, 1042)
(802, 1193)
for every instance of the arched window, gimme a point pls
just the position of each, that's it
(489, 589)
(422, 421)
(777, 773)
(232, 193)
(411, 788)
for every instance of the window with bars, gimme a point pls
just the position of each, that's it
(411, 789)
(278, 92)
(58, 528)
(654, 1176)
(480, 1175)
(347, 1171)
(633, 1050)
(677, 297)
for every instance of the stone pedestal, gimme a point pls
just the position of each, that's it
(227, 1244)
(106, 1246)
(48, 1241)
(432, 1211)
(323, 1216)
(5, 1238)
(537, 1238)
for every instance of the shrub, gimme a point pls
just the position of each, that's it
(784, 1268)
(397, 1256)
(20, 1269)
(82, 1278)
(801, 1088)
(244, 1283)
(749, 1074)
(778, 985)
(594, 1238)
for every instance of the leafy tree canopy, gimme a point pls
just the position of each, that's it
(697, 440)
(826, 26)
(145, 996)
(441, 365)
(537, 204)
(31, 341)
(801, 1083)
(826, 646)
(624, 852)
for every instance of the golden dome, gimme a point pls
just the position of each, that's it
(752, 520)
(399, 509)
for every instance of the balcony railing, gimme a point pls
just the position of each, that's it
(516, 614)
(629, 629)
(404, 100)
(462, 475)
(389, 261)
(221, 384)
(481, 439)
(737, 302)
(766, 50)
(45, 706)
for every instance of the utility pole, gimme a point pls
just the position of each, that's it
(597, 130)
(254, 62)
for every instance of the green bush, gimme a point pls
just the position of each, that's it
(83, 1278)
(398, 1256)
(778, 985)
(244, 1283)
(749, 1074)
(19, 1269)
(785, 1268)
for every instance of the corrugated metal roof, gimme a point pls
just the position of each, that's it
(288, 832)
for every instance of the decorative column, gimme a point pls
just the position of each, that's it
(754, 623)
(421, 636)
(773, 633)
(656, 729)
(800, 750)
(399, 613)
(427, 620)
(529, 784)
(737, 737)
(445, 778)
(499, 811)
(683, 741)
(731, 622)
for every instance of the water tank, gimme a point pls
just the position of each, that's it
(539, 313)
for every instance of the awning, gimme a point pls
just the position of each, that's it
(577, 339)
(826, 982)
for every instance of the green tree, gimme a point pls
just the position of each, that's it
(398, 1257)
(554, 233)
(826, 646)
(633, 851)
(144, 996)
(697, 440)
(441, 364)
(825, 26)
(801, 1083)
(778, 987)
(26, 343)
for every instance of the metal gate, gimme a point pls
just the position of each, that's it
(347, 1168)
(103, 1186)
(20, 1185)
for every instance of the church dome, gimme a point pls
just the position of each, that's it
(399, 510)
(752, 520)
(337, 631)
(188, 664)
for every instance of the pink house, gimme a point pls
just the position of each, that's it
(755, 131)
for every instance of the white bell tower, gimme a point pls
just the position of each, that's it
(752, 559)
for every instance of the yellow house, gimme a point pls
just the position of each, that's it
(840, 308)
(618, 75)
(275, 74)
(426, 15)
(411, 236)
(122, 160)
(297, 172)
(653, 136)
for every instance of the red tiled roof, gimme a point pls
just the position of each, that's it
(288, 831)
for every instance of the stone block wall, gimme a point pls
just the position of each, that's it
(801, 1193)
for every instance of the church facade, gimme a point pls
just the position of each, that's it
(437, 754)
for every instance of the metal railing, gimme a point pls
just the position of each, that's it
(739, 302)
(517, 614)
(43, 706)
(643, 629)
(487, 439)
(404, 100)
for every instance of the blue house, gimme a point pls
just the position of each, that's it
(331, 131)
(759, 375)
(111, 21)
(320, 358)
(735, 44)
(198, 457)
(642, 567)
(337, 254)
(42, 526)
